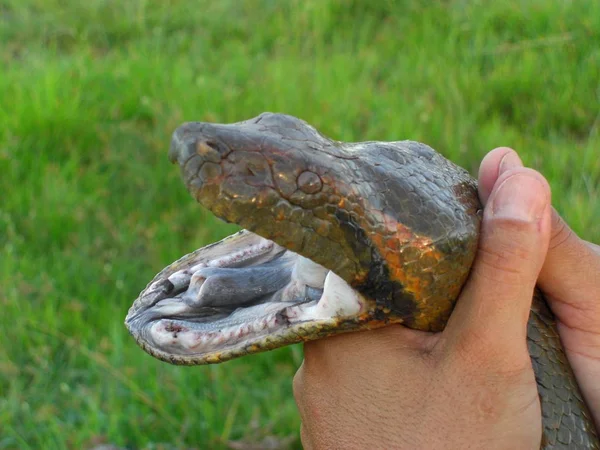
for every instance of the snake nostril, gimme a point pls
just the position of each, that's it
(180, 150)
(208, 150)
(213, 145)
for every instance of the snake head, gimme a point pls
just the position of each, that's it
(338, 237)
(277, 176)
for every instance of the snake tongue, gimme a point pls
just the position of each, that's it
(241, 295)
(215, 286)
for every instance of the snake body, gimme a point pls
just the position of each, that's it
(342, 236)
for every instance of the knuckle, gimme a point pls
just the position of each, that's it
(503, 261)
(512, 227)
(581, 319)
(561, 232)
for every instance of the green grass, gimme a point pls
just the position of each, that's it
(90, 209)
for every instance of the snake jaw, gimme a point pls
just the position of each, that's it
(242, 295)
(279, 178)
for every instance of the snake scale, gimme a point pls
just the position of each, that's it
(337, 237)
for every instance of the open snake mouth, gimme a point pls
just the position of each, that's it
(233, 296)
(348, 236)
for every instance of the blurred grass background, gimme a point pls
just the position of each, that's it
(90, 209)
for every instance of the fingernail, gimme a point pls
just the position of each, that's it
(520, 197)
(509, 161)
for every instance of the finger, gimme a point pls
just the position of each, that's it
(571, 266)
(493, 164)
(494, 304)
(570, 278)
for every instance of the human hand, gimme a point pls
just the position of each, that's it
(570, 279)
(471, 386)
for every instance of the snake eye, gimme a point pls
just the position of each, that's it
(309, 182)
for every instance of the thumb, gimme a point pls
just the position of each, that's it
(494, 305)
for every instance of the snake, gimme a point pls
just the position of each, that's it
(336, 237)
